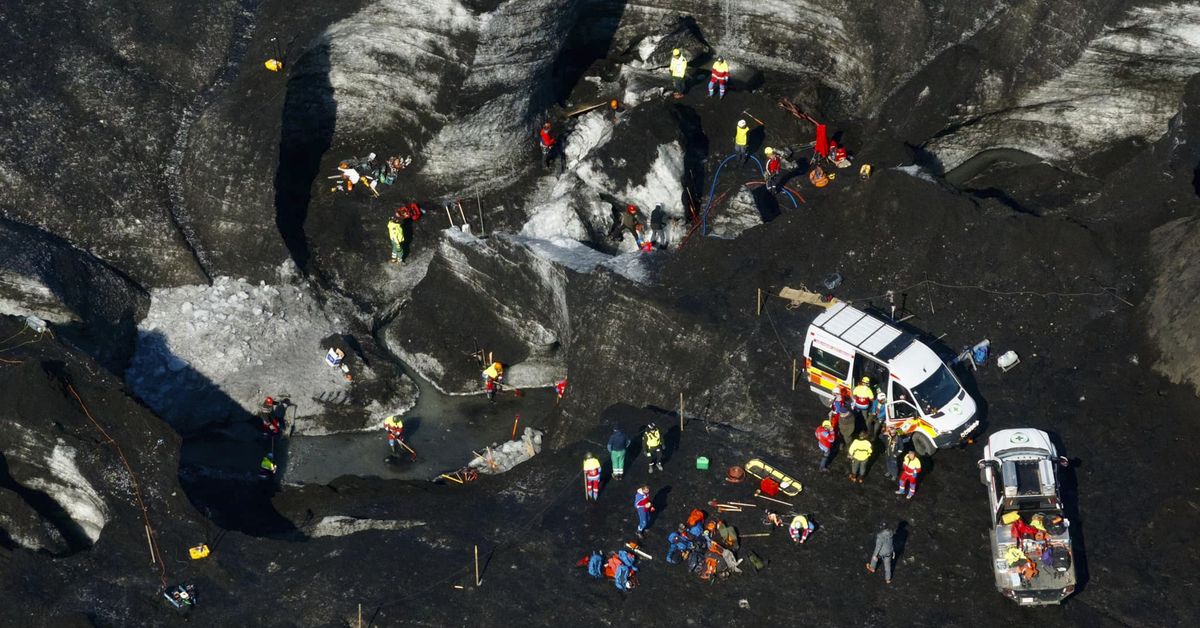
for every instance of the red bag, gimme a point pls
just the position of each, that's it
(414, 211)
(769, 487)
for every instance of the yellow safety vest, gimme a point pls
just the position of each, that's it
(273, 65)
(653, 439)
(740, 138)
(860, 450)
(493, 371)
(395, 231)
(914, 464)
(864, 391)
(678, 66)
(799, 522)
(721, 67)
(591, 464)
(1013, 555)
(393, 422)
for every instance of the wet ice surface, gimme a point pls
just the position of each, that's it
(442, 429)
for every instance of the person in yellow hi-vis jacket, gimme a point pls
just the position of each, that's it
(395, 229)
(679, 72)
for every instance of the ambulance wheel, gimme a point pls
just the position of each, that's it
(923, 445)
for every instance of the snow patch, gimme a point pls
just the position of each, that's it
(339, 525)
(68, 486)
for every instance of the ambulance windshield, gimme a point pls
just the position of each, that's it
(937, 390)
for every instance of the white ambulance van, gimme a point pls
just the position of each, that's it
(844, 344)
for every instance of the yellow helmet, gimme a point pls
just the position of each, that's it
(675, 52)
(273, 65)
(768, 151)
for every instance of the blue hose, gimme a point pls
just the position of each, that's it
(713, 189)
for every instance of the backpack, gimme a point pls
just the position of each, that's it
(1060, 558)
(414, 211)
(695, 517)
(595, 565)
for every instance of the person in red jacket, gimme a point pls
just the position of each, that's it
(826, 439)
(773, 166)
(549, 146)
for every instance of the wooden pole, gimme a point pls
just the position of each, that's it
(150, 544)
(515, 419)
(794, 365)
(360, 616)
(477, 580)
(777, 501)
(681, 411)
(753, 534)
(758, 303)
(479, 204)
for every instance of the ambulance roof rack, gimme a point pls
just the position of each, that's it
(864, 331)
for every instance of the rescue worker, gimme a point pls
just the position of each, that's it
(625, 568)
(826, 440)
(884, 550)
(549, 146)
(350, 178)
(624, 221)
(491, 380)
(560, 389)
(877, 415)
(839, 411)
(270, 418)
(800, 528)
(395, 229)
(908, 475)
(658, 227)
(652, 444)
(394, 427)
(679, 545)
(774, 163)
(862, 396)
(859, 453)
(720, 76)
(617, 444)
(678, 69)
(741, 140)
(266, 468)
(274, 65)
(643, 506)
(895, 448)
(591, 477)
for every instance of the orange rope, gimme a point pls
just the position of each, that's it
(137, 488)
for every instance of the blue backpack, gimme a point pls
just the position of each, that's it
(596, 565)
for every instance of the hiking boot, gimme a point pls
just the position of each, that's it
(900, 491)
(869, 567)
(853, 478)
(911, 495)
(651, 469)
(659, 465)
(860, 479)
(641, 535)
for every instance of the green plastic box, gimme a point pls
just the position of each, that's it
(702, 463)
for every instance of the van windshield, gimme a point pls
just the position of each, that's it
(937, 390)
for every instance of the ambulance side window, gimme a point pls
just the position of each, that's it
(902, 407)
(829, 363)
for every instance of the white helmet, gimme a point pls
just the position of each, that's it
(742, 123)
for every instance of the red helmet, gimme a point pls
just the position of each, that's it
(631, 209)
(269, 401)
